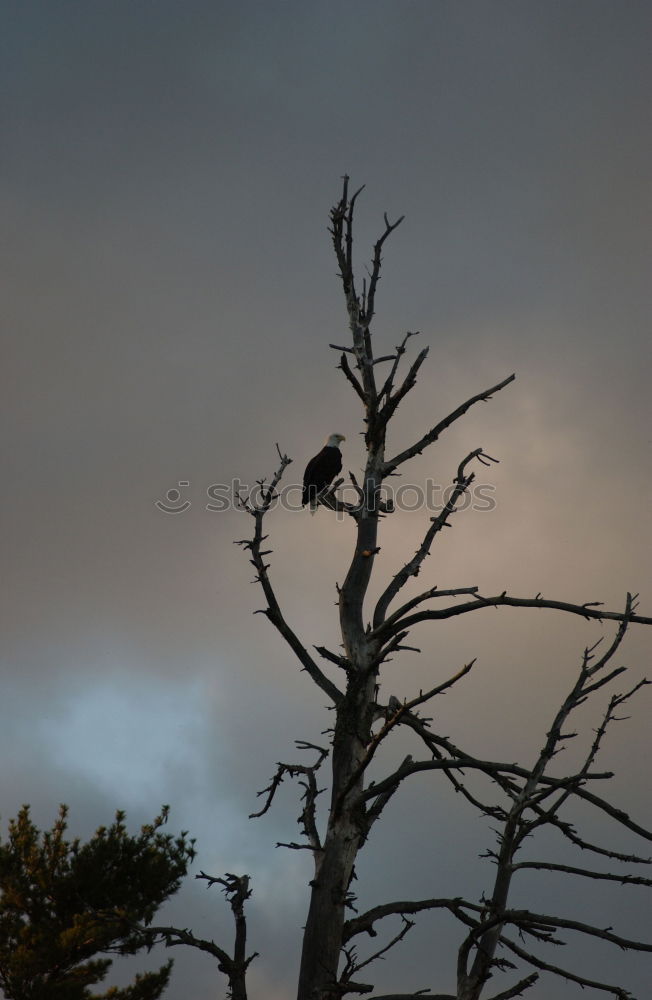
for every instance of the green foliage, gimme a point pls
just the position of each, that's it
(63, 903)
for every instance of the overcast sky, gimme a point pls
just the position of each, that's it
(169, 297)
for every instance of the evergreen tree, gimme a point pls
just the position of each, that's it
(63, 903)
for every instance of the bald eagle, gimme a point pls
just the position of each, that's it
(321, 471)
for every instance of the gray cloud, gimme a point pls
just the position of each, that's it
(170, 298)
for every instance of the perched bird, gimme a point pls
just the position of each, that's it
(321, 471)
(393, 705)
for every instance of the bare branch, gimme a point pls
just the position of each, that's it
(609, 717)
(375, 268)
(339, 661)
(307, 820)
(434, 743)
(587, 611)
(421, 698)
(364, 924)
(412, 568)
(342, 235)
(381, 800)
(175, 935)
(495, 770)
(408, 383)
(328, 497)
(525, 919)
(273, 610)
(576, 697)
(518, 989)
(344, 365)
(400, 351)
(419, 995)
(236, 888)
(427, 595)
(568, 831)
(384, 359)
(394, 718)
(538, 963)
(536, 788)
(433, 434)
(618, 814)
(353, 966)
(293, 846)
(583, 872)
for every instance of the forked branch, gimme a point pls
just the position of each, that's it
(432, 435)
(462, 483)
(308, 818)
(532, 808)
(273, 611)
(237, 891)
(590, 610)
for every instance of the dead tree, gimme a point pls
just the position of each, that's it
(498, 939)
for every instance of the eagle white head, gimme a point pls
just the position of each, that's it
(333, 440)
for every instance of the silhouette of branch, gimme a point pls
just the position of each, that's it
(353, 966)
(494, 769)
(412, 568)
(307, 819)
(388, 385)
(409, 382)
(345, 367)
(432, 435)
(419, 995)
(573, 977)
(536, 789)
(375, 268)
(395, 714)
(589, 610)
(583, 872)
(518, 989)
(273, 611)
(360, 309)
(236, 888)
(364, 924)
(427, 595)
(525, 918)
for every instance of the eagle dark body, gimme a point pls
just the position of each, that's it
(320, 472)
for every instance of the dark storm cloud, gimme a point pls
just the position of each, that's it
(170, 295)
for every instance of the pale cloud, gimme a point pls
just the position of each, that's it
(129, 737)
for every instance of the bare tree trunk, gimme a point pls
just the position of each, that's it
(346, 830)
